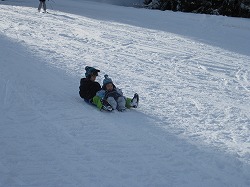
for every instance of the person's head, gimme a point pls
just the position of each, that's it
(91, 73)
(108, 83)
(109, 87)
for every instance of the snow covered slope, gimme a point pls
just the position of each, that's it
(192, 126)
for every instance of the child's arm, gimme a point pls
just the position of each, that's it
(119, 91)
(101, 93)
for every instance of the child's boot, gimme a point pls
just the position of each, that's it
(106, 106)
(135, 101)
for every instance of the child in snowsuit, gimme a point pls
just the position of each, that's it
(42, 4)
(114, 96)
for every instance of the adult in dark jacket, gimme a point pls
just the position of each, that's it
(89, 87)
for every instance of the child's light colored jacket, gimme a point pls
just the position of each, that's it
(104, 94)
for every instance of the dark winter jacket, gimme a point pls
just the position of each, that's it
(88, 88)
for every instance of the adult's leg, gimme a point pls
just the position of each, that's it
(97, 101)
(128, 102)
(44, 6)
(40, 6)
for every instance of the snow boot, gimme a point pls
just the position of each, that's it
(106, 106)
(135, 101)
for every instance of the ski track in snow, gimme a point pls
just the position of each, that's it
(178, 79)
(199, 92)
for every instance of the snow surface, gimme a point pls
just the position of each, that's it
(192, 73)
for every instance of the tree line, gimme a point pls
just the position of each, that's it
(233, 8)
